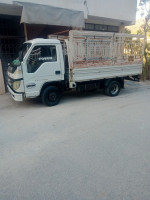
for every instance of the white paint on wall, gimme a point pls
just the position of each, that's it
(124, 10)
(113, 9)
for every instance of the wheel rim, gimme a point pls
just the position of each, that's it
(114, 89)
(52, 97)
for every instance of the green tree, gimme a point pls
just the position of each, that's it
(144, 10)
(126, 30)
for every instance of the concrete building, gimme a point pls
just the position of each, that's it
(40, 18)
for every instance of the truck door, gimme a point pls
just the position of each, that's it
(41, 66)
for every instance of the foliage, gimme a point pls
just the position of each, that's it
(127, 31)
(144, 9)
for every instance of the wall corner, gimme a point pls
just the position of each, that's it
(121, 28)
(2, 85)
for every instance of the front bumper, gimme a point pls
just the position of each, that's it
(15, 96)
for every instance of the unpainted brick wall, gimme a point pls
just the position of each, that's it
(2, 86)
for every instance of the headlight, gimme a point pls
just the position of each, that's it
(18, 72)
(16, 85)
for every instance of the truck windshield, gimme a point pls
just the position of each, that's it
(23, 50)
(17, 61)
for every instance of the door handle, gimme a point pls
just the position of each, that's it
(30, 85)
(57, 72)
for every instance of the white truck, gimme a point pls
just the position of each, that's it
(82, 61)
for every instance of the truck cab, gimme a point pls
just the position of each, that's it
(40, 61)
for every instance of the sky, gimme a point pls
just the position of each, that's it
(138, 15)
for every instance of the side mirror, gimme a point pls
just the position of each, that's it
(20, 56)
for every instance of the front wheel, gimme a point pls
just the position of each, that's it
(113, 88)
(51, 96)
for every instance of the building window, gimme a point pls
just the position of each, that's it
(101, 27)
(113, 28)
(89, 26)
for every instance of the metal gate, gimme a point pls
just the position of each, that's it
(11, 37)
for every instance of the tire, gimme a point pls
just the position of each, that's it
(113, 88)
(51, 96)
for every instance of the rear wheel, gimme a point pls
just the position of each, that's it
(51, 96)
(113, 88)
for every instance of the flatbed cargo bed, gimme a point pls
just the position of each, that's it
(100, 55)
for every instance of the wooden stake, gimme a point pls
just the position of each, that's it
(25, 32)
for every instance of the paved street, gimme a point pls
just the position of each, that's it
(89, 147)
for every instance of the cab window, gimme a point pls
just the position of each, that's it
(40, 55)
